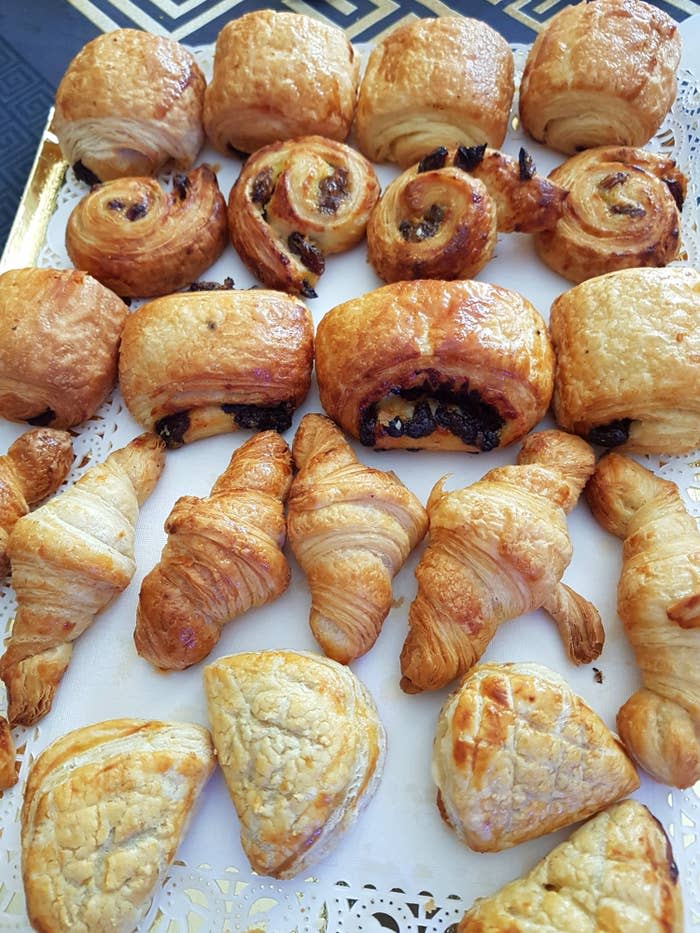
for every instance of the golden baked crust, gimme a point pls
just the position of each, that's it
(600, 74)
(622, 211)
(277, 76)
(296, 201)
(302, 750)
(446, 81)
(435, 365)
(59, 338)
(105, 808)
(517, 754)
(201, 363)
(627, 346)
(130, 103)
(615, 873)
(140, 241)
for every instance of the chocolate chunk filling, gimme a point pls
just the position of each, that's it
(137, 211)
(82, 173)
(212, 286)
(181, 186)
(468, 157)
(433, 160)
(628, 210)
(262, 187)
(307, 291)
(115, 205)
(310, 255)
(42, 419)
(428, 226)
(332, 190)
(261, 417)
(526, 164)
(172, 428)
(611, 180)
(611, 434)
(422, 423)
(676, 190)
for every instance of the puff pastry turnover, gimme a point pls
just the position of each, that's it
(277, 76)
(302, 750)
(446, 81)
(130, 103)
(435, 365)
(105, 808)
(658, 600)
(201, 363)
(627, 346)
(599, 74)
(615, 873)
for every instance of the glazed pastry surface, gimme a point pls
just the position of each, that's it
(627, 346)
(615, 873)
(302, 750)
(351, 528)
(277, 76)
(59, 339)
(130, 103)
(201, 363)
(294, 203)
(600, 74)
(140, 241)
(105, 808)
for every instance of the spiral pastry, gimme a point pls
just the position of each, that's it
(140, 241)
(295, 202)
(622, 211)
(439, 219)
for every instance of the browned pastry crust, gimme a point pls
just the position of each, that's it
(615, 873)
(439, 219)
(436, 365)
(140, 241)
(130, 103)
(295, 202)
(8, 756)
(223, 556)
(600, 74)
(277, 76)
(446, 81)
(658, 600)
(496, 550)
(622, 211)
(59, 338)
(351, 528)
(627, 346)
(201, 363)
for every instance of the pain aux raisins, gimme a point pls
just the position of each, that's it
(425, 228)
(468, 157)
(310, 255)
(332, 190)
(433, 160)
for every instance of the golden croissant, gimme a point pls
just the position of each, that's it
(351, 528)
(222, 557)
(658, 600)
(70, 558)
(497, 550)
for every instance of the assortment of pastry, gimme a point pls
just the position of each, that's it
(433, 360)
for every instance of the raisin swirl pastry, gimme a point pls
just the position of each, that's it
(435, 365)
(130, 103)
(140, 241)
(295, 202)
(622, 211)
(440, 218)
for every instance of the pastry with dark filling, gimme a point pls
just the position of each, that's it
(200, 363)
(627, 346)
(435, 365)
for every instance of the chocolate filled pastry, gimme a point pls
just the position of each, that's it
(435, 365)
(59, 340)
(600, 74)
(294, 203)
(200, 363)
(446, 81)
(141, 241)
(130, 103)
(439, 219)
(277, 76)
(518, 754)
(622, 211)
(627, 346)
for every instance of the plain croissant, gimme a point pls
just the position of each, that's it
(497, 550)
(69, 559)
(351, 528)
(658, 600)
(222, 557)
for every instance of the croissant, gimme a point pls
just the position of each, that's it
(140, 241)
(622, 210)
(8, 752)
(70, 558)
(498, 549)
(351, 528)
(295, 202)
(658, 600)
(223, 556)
